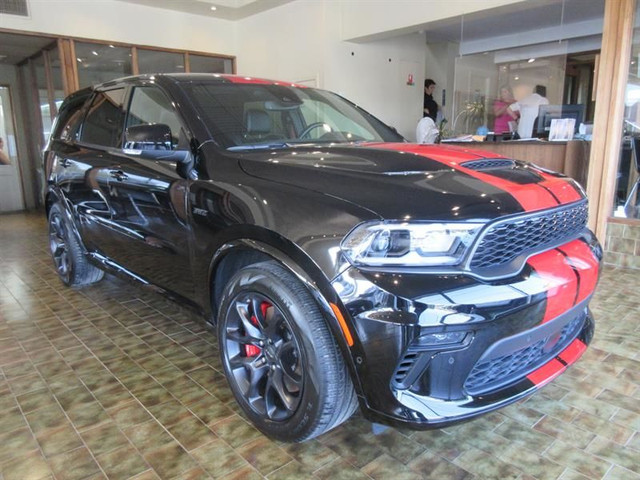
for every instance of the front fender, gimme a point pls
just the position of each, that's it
(309, 274)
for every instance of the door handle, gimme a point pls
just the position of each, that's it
(119, 175)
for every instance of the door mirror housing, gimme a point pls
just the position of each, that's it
(156, 136)
(153, 142)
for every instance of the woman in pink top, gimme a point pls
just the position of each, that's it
(503, 114)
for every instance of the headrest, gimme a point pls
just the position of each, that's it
(257, 121)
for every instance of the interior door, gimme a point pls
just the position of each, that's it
(11, 196)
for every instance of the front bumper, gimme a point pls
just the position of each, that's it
(442, 349)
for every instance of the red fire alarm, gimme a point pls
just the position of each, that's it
(410, 79)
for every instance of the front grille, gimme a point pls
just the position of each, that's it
(506, 240)
(488, 164)
(489, 374)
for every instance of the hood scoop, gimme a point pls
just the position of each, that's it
(488, 164)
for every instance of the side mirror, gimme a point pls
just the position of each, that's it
(153, 142)
(156, 136)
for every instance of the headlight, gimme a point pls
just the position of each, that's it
(409, 244)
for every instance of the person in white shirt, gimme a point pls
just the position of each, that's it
(528, 108)
(426, 130)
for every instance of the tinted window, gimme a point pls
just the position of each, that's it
(105, 119)
(69, 117)
(149, 105)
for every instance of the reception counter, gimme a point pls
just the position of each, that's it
(570, 158)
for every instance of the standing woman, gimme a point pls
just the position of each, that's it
(503, 114)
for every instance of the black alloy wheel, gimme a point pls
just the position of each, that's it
(59, 246)
(282, 363)
(68, 256)
(264, 356)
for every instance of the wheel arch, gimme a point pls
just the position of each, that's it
(241, 252)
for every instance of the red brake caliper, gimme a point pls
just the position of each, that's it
(252, 350)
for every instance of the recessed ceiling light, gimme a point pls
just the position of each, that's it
(531, 60)
(95, 53)
(213, 8)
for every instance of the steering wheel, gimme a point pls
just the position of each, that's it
(312, 127)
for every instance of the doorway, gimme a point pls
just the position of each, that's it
(11, 194)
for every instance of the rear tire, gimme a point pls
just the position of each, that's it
(72, 266)
(280, 358)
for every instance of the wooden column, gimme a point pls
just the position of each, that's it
(53, 110)
(612, 74)
(68, 64)
(135, 70)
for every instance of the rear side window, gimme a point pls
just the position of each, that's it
(104, 122)
(69, 117)
(149, 105)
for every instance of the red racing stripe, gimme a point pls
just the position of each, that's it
(582, 259)
(546, 373)
(258, 81)
(563, 190)
(530, 196)
(573, 352)
(560, 280)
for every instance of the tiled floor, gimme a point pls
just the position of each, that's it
(112, 381)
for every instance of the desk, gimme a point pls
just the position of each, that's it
(570, 158)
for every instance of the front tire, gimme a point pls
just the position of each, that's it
(70, 262)
(280, 358)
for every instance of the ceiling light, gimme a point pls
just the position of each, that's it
(531, 60)
(213, 8)
(79, 60)
(516, 78)
(111, 46)
(95, 53)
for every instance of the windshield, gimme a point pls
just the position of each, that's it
(250, 116)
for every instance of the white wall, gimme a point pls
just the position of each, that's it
(369, 19)
(111, 20)
(272, 45)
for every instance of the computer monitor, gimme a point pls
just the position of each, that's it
(546, 113)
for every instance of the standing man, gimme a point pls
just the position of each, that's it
(528, 108)
(430, 107)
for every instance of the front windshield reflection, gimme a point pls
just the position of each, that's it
(254, 116)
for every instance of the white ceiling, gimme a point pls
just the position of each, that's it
(225, 9)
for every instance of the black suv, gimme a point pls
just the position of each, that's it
(341, 266)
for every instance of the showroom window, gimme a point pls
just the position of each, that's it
(104, 121)
(156, 61)
(627, 197)
(99, 63)
(206, 64)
